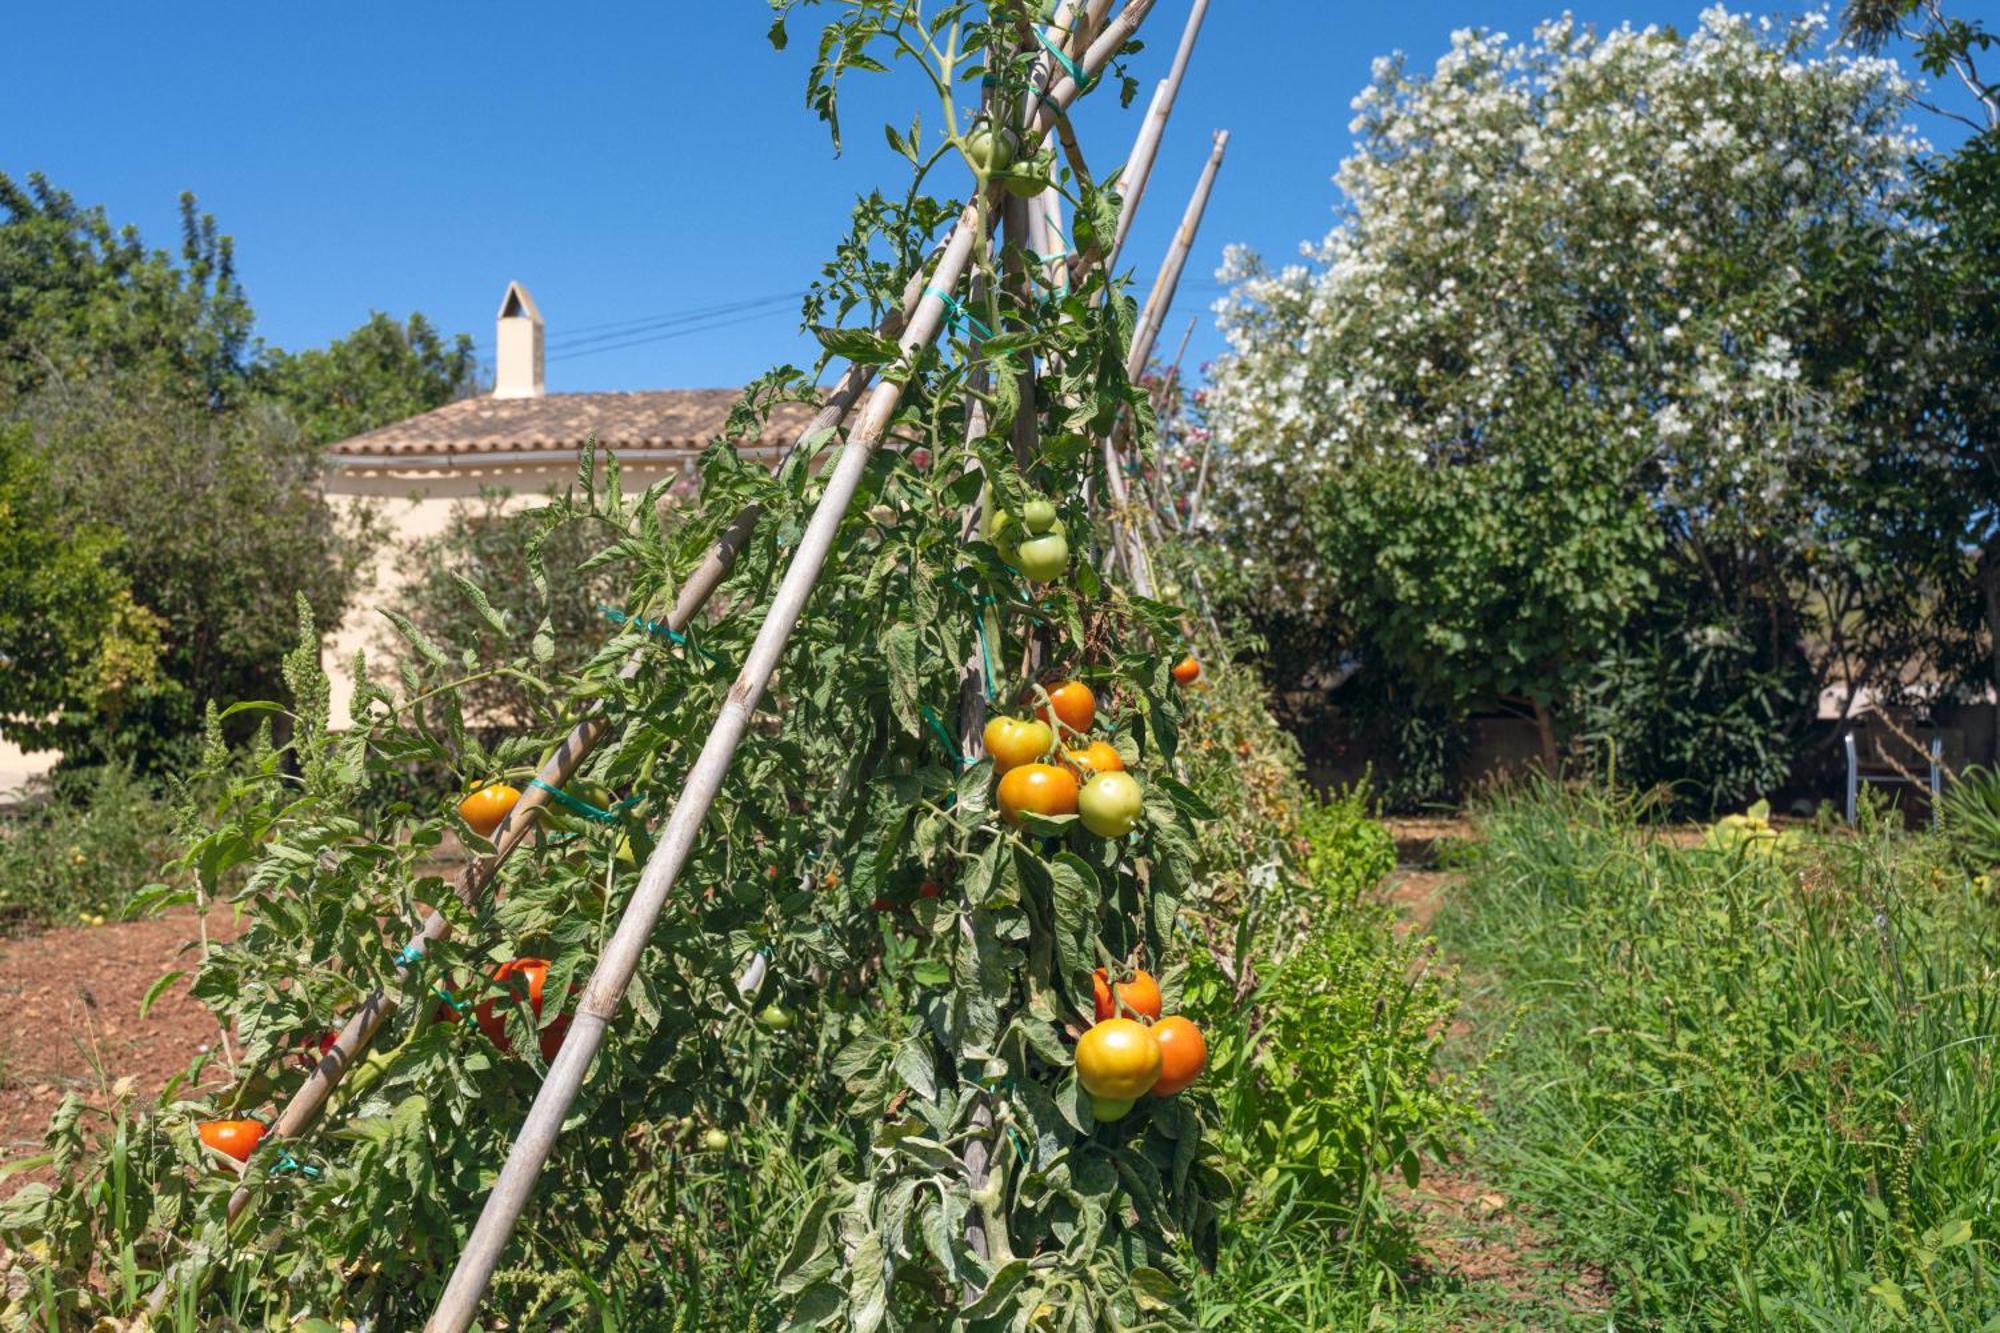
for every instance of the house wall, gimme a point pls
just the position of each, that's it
(417, 504)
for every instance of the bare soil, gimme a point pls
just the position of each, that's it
(71, 998)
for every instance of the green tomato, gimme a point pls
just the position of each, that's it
(1028, 179)
(717, 1141)
(1038, 515)
(1109, 1108)
(775, 1017)
(988, 152)
(1109, 804)
(1043, 558)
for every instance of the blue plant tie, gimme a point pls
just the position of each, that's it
(944, 739)
(287, 1164)
(963, 321)
(409, 955)
(1084, 83)
(659, 627)
(584, 808)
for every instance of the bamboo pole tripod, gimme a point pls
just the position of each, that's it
(355, 1036)
(605, 991)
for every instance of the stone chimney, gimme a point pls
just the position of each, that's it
(517, 346)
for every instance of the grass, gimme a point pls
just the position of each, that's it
(1757, 1091)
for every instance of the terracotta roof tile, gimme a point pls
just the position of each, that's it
(561, 422)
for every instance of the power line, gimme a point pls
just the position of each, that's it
(584, 335)
(663, 337)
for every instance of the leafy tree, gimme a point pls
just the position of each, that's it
(78, 298)
(1589, 322)
(381, 372)
(221, 525)
(73, 642)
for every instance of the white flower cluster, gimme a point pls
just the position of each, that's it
(1616, 231)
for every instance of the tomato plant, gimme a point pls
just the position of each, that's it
(928, 1068)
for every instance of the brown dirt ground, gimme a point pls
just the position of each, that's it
(71, 998)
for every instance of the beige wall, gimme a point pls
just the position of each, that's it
(416, 504)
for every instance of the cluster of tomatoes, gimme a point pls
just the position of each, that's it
(1090, 782)
(1126, 1055)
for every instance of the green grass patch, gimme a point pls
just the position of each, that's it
(1755, 1086)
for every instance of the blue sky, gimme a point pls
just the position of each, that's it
(626, 161)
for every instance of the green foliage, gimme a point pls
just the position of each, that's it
(491, 545)
(1348, 852)
(378, 374)
(1755, 1089)
(73, 643)
(220, 524)
(83, 849)
(79, 298)
(1970, 818)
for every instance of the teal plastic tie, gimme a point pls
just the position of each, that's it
(659, 627)
(962, 320)
(409, 955)
(944, 739)
(287, 1164)
(1084, 82)
(584, 808)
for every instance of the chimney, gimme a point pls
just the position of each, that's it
(517, 344)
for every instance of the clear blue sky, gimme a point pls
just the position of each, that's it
(624, 160)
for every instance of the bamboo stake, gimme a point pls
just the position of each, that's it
(1139, 166)
(605, 991)
(1169, 279)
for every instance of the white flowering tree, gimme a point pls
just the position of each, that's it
(1586, 341)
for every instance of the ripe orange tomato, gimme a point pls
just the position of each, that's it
(1096, 757)
(928, 889)
(233, 1138)
(1118, 1060)
(1187, 671)
(1141, 994)
(1183, 1054)
(492, 1018)
(1071, 703)
(1013, 742)
(489, 803)
(1041, 789)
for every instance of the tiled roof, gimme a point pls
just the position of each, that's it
(560, 423)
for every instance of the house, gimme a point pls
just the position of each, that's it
(520, 438)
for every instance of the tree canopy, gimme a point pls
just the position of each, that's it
(1591, 342)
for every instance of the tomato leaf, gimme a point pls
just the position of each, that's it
(157, 989)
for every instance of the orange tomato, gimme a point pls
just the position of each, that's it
(492, 1018)
(1141, 994)
(1117, 1060)
(489, 803)
(1041, 789)
(1070, 703)
(1013, 742)
(1187, 671)
(232, 1138)
(1183, 1054)
(1096, 757)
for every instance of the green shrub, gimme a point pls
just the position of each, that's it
(1348, 852)
(95, 839)
(1753, 1082)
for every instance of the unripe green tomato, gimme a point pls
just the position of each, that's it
(1043, 558)
(775, 1017)
(988, 151)
(718, 1141)
(1039, 515)
(1109, 804)
(1109, 1108)
(1028, 179)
